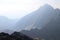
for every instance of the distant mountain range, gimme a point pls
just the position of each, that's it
(6, 23)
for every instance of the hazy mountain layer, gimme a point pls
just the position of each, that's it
(6, 23)
(36, 19)
(51, 31)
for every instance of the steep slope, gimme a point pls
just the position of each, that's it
(35, 19)
(51, 31)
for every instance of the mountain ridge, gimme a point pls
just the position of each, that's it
(41, 16)
(51, 30)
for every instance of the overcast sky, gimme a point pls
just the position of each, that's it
(18, 8)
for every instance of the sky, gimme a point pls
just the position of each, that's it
(15, 9)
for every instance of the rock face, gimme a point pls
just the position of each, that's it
(14, 36)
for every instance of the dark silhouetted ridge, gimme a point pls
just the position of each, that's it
(14, 36)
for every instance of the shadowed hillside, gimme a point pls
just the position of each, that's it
(14, 36)
(51, 31)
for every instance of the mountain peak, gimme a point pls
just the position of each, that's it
(47, 6)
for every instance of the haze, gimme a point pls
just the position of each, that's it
(15, 9)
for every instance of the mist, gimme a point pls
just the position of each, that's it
(30, 19)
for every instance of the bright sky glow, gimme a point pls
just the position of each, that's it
(18, 8)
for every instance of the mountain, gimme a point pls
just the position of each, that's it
(36, 19)
(51, 31)
(6, 23)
